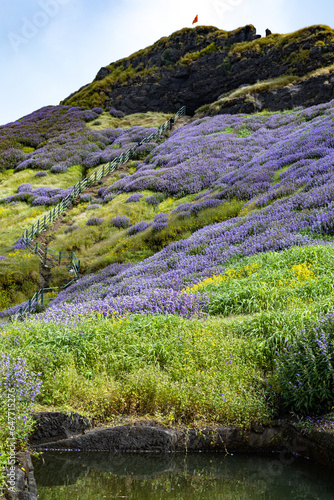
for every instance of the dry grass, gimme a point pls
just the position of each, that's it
(149, 119)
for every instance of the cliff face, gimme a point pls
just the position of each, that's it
(195, 66)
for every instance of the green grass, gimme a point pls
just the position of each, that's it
(175, 370)
(14, 219)
(280, 294)
(277, 175)
(190, 57)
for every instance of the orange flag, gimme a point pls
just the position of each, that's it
(195, 20)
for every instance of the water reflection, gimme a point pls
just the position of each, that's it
(196, 476)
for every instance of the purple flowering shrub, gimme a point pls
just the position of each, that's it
(109, 197)
(41, 174)
(324, 223)
(152, 200)
(41, 200)
(305, 369)
(39, 196)
(134, 198)
(19, 388)
(160, 222)
(15, 376)
(59, 169)
(24, 188)
(19, 245)
(97, 110)
(94, 221)
(138, 228)
(121, 221)
(85, 198)
(158, 301)
(90, 115)
(3, 257)
(10, 158)
(116, 113)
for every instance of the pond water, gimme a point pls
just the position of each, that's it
(178, 476)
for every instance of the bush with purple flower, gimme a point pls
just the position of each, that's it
(305, 369)
(19, 387)
(116, 113)
(85, 198)
(152, 200)
(95, 221)
(120, 221)
(160, 222)
(97, 110)
(134, 198)
(138, 228)
(59, 169)
(24, 188)
(19, 245)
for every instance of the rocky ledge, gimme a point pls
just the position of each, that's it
(309, 92)
(147, 436)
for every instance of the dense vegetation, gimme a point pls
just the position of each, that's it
(213, 297)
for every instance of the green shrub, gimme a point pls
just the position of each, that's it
(19, 277)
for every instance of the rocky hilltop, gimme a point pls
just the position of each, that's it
(196, 66)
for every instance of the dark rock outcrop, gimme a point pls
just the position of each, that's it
(309, 92)
(195, 66)
(147, 437)
(53, 426)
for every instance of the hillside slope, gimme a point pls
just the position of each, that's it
(268, 176)
(207, 287)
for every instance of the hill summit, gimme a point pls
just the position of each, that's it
(196, 66)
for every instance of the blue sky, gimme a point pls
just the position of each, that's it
(50, 48)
